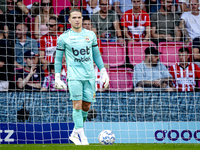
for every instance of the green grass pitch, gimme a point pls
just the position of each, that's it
(115, 146)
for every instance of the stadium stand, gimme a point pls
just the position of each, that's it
(114, 53)
(32, 114)
(120, 79)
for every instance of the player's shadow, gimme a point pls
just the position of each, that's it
(92, 114)
(23, 114)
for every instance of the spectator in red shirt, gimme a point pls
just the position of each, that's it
(48, 42)
(185, 73)
(136, 23)
(46, 9)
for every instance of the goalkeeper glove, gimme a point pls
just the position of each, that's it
(105, 77)
(58, 83)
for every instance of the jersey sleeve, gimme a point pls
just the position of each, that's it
(171, 71)
(60, 44)
(94, 42)
(183, 16)
(197, 71)
(123, 20)
(96, 54)
(42, 44)
(100, 46)
(59, 54)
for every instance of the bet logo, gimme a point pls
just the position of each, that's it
(81, 51)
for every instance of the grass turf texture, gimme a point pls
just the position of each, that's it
(115, 146)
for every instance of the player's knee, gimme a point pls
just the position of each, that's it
(77, 105)
(86, 108)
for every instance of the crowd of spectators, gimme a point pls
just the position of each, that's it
(28, 39)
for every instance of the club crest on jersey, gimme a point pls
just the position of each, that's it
(87, 39)
(94, 95)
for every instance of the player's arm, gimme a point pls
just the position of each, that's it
(21, 6)
(139, 78)
(147, 36)
(92, 3)
(177, 29)
(99, 62)
(184, 7)
(125, 27)
(166, 77)
(184, 31)
(58, 64)
(35, 85)
(117, 9)
(22, 82)
(59, 54)
(97, 57)
(17, 65)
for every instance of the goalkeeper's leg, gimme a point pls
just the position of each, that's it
(78, 128)
(85, 109)
(78, 121)
(89, 95)
(76, 90)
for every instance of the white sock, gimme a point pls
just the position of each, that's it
(74, 132)
(81, 133)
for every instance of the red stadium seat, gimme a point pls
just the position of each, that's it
(136, 51)
(114, 53)
(28, 2)
(169, 52)
(120, 79)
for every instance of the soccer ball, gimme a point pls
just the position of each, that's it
(106, 137)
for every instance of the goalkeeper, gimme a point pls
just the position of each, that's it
(81, 49)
